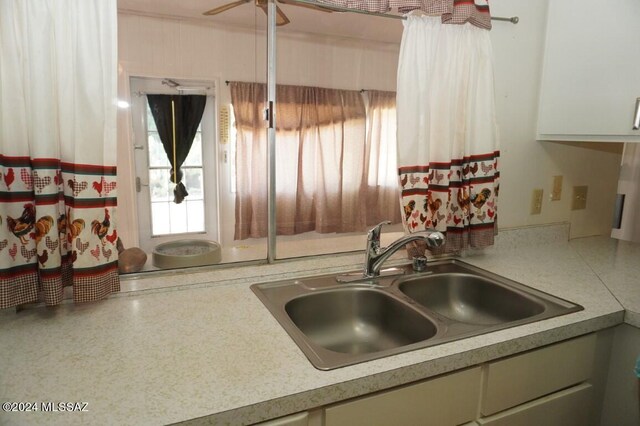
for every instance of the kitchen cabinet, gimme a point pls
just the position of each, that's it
(550, 385)
(621, 405)
(524, 377)
(447, 400)
(564, 408)
(591, 73)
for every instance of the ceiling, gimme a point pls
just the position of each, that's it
(303, 20)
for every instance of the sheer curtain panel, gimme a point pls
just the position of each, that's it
(58, 67)
(447, 135)
(383, 195)
(335, 160)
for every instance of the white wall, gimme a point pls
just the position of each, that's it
(526, 163)
(188, 49)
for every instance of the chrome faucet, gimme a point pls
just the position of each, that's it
(375, 256)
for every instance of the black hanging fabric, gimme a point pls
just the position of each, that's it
(188, 111)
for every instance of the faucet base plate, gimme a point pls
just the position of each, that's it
(360, 276)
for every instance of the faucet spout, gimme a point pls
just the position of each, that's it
(375, 258)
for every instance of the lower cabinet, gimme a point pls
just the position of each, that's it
(447, 400)
(525, 377)
(550, 386)
(564, 408)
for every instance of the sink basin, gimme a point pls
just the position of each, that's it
(358, 321)
(470, 299)
(338, 324)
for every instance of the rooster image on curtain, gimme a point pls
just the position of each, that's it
(447, 134)
(58, 67)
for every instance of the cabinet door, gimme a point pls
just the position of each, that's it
(521, 378)
(591, 73)
(446, 400)
(565, 408)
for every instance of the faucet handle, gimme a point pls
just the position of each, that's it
(374, 233)
(435, 239)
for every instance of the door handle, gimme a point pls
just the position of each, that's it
(141, 147)
(636, 117)
(139, 184)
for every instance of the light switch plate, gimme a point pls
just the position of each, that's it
(579, 198)
(536, 201)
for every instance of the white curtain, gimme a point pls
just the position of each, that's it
(447, 135)
(629, 185)
(58, 65)
(381, 157)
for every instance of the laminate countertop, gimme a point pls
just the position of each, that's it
(207, 351)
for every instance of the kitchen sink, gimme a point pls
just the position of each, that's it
(338, 324)
(358, 320)
(471, 299)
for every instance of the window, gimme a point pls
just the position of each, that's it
(335, 174)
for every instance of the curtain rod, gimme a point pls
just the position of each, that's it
(361, 90)
(513, 20)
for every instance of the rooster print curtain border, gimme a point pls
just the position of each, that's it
(57, 231)
(458, 198)
(447, 134)
(58, 93)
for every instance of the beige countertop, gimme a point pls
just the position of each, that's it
(617, 264)
(210, 352)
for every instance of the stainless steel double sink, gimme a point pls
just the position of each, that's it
(337, 324)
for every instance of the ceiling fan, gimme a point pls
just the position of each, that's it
(281, 18)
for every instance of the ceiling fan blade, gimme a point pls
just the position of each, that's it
(306, 5)
(281, 18)
(224, 7)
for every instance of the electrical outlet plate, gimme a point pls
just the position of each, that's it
(556, 190)
(579, 199)
(536, 201)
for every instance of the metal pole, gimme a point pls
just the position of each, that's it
(271, 130)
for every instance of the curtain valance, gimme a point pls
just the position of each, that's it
(450, 11)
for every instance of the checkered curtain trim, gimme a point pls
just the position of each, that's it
(30, 286)
(452, 11)
(58, 230)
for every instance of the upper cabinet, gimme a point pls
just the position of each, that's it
(591, 74)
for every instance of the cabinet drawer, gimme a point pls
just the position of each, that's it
(564, 408)
(447, 400)
(525, 377)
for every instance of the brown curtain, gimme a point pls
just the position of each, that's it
(248, 100)
(324, 158)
